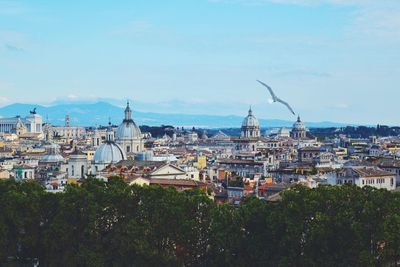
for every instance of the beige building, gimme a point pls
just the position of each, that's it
(4, 174)
(367, 176)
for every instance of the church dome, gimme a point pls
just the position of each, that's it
(284, 132)
(250, 126)
(299, 125)
(52, 155)
(50, 158)
(250, 121)
(109, 152)
(128, 130)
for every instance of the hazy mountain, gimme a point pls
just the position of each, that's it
(90, 114)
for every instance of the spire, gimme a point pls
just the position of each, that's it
(250, 111)
(128, 112)
(298, 118)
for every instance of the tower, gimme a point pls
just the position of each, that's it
(128, 112)
(67, 121)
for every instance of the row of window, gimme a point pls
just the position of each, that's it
(371, 181)
(377, 181)
(366, 181)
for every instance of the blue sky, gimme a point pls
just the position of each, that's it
(336, 60)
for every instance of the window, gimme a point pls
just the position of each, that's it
(82, 171)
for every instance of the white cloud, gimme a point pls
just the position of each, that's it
(311, 2)
(4, 101)
(376, 18)
(5, 85)
(72, 97)
(381, 22)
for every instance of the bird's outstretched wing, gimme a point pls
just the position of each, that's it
(286, 104)
(270, 91)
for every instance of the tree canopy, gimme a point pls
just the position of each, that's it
(113, 224)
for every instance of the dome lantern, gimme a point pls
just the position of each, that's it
(128, 112)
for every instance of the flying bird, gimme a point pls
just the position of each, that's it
(277, 99)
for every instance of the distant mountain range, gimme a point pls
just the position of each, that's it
(91, 114)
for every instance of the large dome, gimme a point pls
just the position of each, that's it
(128, 131)
(109, 152)
(52, 155)
(299, 125)
(52, 158)
(250, 121)
(250, 126)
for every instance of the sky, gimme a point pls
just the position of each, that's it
(332, 60)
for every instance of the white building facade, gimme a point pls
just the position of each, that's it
(18, 125)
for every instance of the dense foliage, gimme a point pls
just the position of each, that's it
(112, 224)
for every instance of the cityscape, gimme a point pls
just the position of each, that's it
(272, 168)
(246, 161)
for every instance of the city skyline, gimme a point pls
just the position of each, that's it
(332, 60)
(199, 133)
